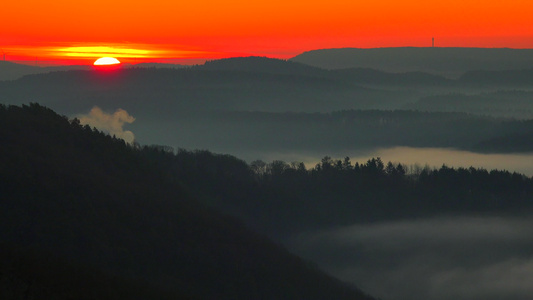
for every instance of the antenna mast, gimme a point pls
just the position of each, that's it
(432, 42)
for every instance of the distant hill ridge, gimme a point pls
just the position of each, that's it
(11, 71)
(262, 65)
(439, 60)
(450, 61)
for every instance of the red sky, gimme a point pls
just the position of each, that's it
(179, 31)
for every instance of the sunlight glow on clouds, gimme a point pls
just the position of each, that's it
(277, 28)
(103, 51)
(86, 53)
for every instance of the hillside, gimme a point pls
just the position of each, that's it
(337, 132)
(287, 199)
(186, 89)
(257, 64)
(74, 194)
(84, 208)
(505, 103)
(438, 60)
(13, 71)
(246, 105)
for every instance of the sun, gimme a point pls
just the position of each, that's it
(105, 61)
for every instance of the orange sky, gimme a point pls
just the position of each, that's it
(62, 31)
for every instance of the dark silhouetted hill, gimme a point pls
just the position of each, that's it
(340, 131)
(84, 197)
(131, 214)
(506, 103)
(242, 84)
(26, 274)
(503, 78)
(256, 103)
(439, 60)
(155, 65)
(380, 78)
(170, 91)
(11, 71)
(258, 64)
(286, 199)
(510, 143)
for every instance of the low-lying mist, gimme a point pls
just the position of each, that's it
(434, 259)
(436, 157)
(433, 157)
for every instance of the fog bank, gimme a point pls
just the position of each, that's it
(433, 157)
(434, 259)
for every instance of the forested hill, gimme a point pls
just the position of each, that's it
(131, 216)
(78, 197)
(285, 199)
(442, 60)
(12, 71)
(256, 64)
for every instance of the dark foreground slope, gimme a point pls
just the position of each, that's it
(73, 194)
(26, 274)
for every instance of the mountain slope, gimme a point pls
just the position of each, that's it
(89, 198)
(440, 60)
(263, 65)
(191, 89)
(13, 71)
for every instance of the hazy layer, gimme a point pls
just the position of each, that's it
(433, 157)
(436, 157)
(442, 258)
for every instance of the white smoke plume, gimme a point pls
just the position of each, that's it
(110, 123)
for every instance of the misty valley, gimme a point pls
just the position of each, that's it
(337, 174)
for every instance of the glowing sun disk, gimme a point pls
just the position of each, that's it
(106, 61)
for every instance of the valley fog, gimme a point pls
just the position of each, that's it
(468, 257)
(433, 157)
(435, 259)
(394, 236)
